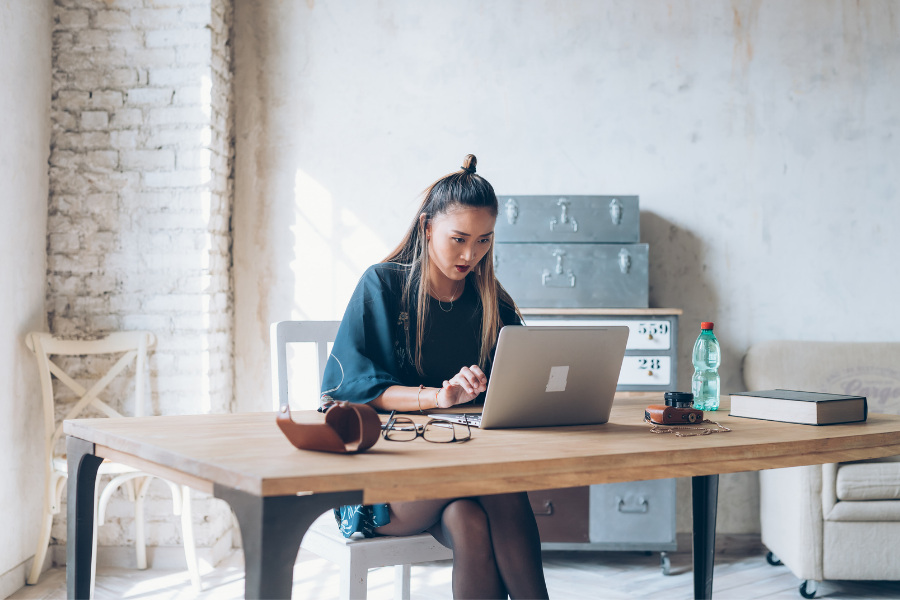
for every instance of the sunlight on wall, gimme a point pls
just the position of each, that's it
(360, 246)
(205, 395)
(206, 213)
(303, 391)
(312, 266)
(332, 248)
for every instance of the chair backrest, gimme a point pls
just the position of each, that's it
(870, 369)
(321, 333)
(133, 344)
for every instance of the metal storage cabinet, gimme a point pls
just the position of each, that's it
(568, 219)
(637, 515)
(577, 260)
(574, 275)
(571, 251)
(651, 354)
(634, 515)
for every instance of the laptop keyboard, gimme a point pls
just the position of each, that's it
(472, 419)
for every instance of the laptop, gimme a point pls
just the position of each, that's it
(546, 376)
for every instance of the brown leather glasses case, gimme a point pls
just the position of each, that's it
(348, 428)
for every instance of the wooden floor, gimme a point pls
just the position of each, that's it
(569, 575)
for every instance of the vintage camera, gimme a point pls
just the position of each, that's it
(677, 410)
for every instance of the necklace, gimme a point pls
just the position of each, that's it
(451, 301)
(687, 430)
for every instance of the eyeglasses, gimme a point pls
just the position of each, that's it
(436, 431)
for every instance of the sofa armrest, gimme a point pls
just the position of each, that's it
(829, 488)
(790, 515)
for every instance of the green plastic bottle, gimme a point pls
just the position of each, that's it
(706, 359)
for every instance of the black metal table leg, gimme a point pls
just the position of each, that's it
(83, 467)
(705, 490)
(271, 531)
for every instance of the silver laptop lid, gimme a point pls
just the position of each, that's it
(553, 376)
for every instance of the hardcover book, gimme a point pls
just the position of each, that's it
(807, 408)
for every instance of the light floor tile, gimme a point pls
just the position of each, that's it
(575, 575)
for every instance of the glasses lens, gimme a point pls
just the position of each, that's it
(442, 432)
(401, 430)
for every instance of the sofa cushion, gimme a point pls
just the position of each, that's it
(861, 551)
(868, 481)
(883, 511)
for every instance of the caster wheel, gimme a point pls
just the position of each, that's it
(665, 564)
(774, 561)
(808, 589)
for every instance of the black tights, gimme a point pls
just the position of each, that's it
(495, 542)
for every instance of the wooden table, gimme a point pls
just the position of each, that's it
(277, 491)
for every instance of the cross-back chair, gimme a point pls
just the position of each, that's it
(133, 346)
(354, 556)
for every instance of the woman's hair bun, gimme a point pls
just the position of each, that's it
(469, 163)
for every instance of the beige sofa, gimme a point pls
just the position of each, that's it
(834, 521)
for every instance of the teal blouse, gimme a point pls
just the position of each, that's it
(374, 346)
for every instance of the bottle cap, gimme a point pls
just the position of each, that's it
(706, 325)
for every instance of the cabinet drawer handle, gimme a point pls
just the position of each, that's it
(639, 507)
(512, 211)
(548, 510)
(548, 280)
(624, 261)
(615, 212)
(565, 223)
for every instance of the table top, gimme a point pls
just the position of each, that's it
(247, 451)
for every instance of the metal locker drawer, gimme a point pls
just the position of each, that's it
(562, 514)
(568, 219)
(642, 335)
(634, 512)
(646, 370)
(574, 275)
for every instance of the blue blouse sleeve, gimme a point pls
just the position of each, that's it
(365, 344)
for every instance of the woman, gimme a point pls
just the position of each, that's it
(419, 333)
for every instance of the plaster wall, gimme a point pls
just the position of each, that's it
(24, 147)
(761, 136)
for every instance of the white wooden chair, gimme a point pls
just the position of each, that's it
(354, 556)
(134, 345)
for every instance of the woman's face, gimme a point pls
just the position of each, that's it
(459, 239)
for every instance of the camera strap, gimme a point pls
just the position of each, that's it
(687, 430)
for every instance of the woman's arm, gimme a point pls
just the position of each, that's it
(463, 387)
(363, 363)
(403, 399)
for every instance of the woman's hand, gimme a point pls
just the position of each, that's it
(462, 387)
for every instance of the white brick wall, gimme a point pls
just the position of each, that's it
(139, 218)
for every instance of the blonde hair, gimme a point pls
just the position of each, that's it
(462, 188)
